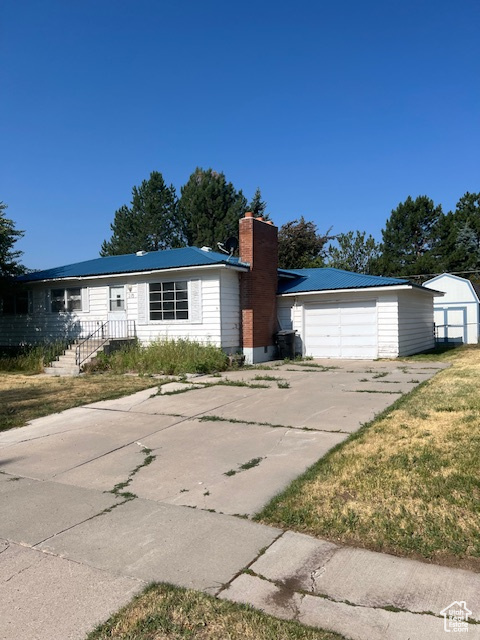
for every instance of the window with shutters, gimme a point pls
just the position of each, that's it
(168, 300)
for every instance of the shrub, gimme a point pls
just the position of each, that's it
(168, 357)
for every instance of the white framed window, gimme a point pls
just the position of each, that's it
(168, 301)
(66, 300)
(117, 298)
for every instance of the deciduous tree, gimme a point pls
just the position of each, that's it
(353, 252)
(300, 246)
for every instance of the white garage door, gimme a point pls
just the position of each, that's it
(341, 330)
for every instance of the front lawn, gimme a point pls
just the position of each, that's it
(408, 483)
(164, 612)
(23, 398)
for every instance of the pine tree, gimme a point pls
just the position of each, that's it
(258, 206)
(151, 223)
(409, 238)
(459, 236)
(210, 208)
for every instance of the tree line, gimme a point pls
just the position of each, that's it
(419, 240)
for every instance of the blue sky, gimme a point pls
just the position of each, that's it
(336, 110)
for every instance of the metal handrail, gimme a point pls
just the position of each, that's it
(112, 329)
(84, 348)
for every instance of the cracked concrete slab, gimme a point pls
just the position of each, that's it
(158, 542)
(125, 403)
(318, 408)
(196, 401)
(102, 432)
(34, 511)
(199, 464)
(356, 623)
(366, 578)
(42, 596)
(104, 473)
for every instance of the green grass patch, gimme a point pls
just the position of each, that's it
(165, 612)
(24, 397)
(406, 483)
(168, 357)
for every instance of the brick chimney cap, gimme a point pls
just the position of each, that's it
(248, 214)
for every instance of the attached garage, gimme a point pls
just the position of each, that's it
(338, 314)
(341, 330)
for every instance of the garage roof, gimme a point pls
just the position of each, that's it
(328, 279)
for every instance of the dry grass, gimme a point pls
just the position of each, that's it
(408, 483)
(164, 612)
(23, 398)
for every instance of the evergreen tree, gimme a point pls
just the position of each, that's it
(353, 252)
(300, 246)
(9, 257)
(258, 206)
(151, 223)
(409, 239)
(210, 208)
(458, 232)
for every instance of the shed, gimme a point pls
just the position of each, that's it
(456, 314)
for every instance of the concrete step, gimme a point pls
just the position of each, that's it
(63, 371)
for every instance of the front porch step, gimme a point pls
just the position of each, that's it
(66, 363)
(63, 371)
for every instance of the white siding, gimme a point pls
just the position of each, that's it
(205, 324)
(459, 306)
(415, 322)
(387, 319)
(230, 310)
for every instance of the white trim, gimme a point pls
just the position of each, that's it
(360, 290)
(122, 274)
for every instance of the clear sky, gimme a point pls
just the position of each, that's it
(337, 110)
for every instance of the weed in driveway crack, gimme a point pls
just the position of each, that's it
(254, 462)
(118, 489)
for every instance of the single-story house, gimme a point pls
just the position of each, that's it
(238, 304)
(457, 313)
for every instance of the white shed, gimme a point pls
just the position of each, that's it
(457, 313)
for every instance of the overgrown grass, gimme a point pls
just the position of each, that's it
(408, 482)
(23, 398)
(169, 357)
(164, 612)
(30, 359)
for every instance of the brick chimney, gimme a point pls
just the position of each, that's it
(258, 287)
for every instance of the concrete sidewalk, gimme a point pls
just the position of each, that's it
(72, 551)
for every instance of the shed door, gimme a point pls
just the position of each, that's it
(341, 330)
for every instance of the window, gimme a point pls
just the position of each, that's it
(169, 300)
(117, 298)
(16, 304)
(66, 299)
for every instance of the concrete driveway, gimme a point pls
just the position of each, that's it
(72, 551)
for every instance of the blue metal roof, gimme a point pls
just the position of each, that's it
(152, 261)
(329, 279)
